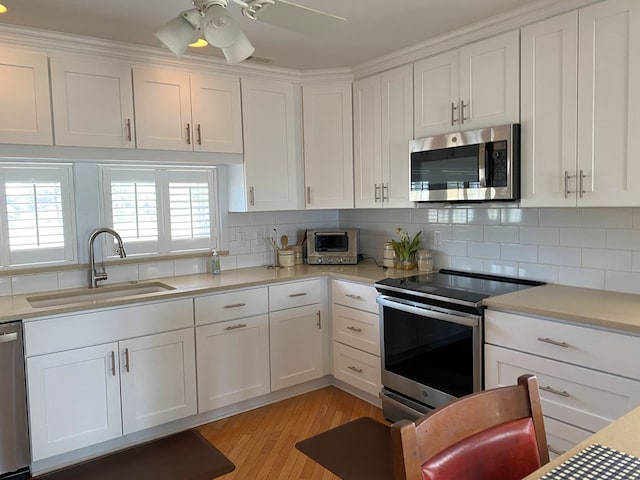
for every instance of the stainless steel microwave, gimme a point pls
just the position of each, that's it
(471, 166)
(332, 247)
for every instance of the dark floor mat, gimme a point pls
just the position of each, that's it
(183, 456)
(358, 450)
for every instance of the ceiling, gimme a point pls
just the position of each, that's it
(374, 27)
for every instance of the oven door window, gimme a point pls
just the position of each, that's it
(331, 243)
(446, 168)
(432, 352)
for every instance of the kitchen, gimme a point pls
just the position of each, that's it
(571, 241)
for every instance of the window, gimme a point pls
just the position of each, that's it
(161, 209)
(37, 214)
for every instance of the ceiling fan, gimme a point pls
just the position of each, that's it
(210, 21)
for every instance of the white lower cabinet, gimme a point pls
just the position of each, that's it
(233, 361)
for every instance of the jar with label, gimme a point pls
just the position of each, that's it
(389, 255)
(297, 250)
(215, 262)
(425, 260)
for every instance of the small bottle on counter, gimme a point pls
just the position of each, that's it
(215, 262)
(389, 256)
(425, 260)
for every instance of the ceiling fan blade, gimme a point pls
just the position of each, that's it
(300, 18)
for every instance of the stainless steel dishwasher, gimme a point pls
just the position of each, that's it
(14, 434)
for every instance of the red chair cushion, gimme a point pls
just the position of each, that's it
(506, 452)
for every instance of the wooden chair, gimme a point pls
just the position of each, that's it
(496, 434)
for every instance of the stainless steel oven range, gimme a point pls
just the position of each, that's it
(431, 337)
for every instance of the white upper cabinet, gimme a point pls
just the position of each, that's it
(383, 126)
(163, 109)
(473, 87)
(580, 107)
(328, 145)
(25, 116)
(272, 171)
(92, 102)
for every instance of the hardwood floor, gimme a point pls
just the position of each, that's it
(261, 442)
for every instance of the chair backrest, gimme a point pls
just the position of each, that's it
(494, 434)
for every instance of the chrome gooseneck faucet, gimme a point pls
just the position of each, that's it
(96, 276)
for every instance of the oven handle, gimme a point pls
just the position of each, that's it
(399, 304)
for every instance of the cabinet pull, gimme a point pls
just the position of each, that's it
(376, 193)
(235, 305)
(553, 342)
(354, 329)
(8, 337)
(562, 393)
(113, 363)
(236, 327)
(252, 196)
(462, 117)
(128, 125)
(355, 369)
(188, 134)
(555, 450)
(351, 295)
(126, 360)
(566, 184)
(581, 176)
(319, 323)
(292, 295)
(453, 118)
(308, 195)
(385, 192)
(198, 134)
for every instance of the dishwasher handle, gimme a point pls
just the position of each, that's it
(8, 337)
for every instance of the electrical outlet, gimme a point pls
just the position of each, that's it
(437, 238)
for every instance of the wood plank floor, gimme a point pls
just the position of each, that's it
(261, 442)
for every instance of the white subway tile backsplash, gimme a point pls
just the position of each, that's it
(520, 216)
(583, 237)
(40, 282)
(191, 266)
(623, 282)
(454, 248)
(604, 259)
(424, 215)
(122, 273)
(539, 236)
(5, 286)
(534, 271)
(147, 271)
(466, 264)
(635, 262)
(468, 232)
(607, 217)
(623, 239)
(452, 215)
(250, 260)
(519, 253)
(228, 262)
(560, 217)
(582, 277)
(567, 256)
(483, 250)
(483, 216)
(501, 234)
(499, 267)
(73, 278)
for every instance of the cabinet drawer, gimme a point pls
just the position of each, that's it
(562, 436)
(579, 396)
(354, 295)
(584, 346)
(65, 332)
(297, 294)
(230, 305)
(356, 328)
(359, 369)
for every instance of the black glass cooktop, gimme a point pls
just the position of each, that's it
(455, 286)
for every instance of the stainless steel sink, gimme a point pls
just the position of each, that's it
(88, 295)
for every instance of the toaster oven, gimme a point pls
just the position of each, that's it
(332, 247)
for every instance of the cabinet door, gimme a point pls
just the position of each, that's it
(397, 130)
(25, 116)
(217, 116)
(549, 105)
(162, 108)
(436, 95)
(271, 169)
(296, 345)
(367, 147)
(233, 361)
(328, 146)
(74, 399)
(490, 82)
(158, 377)
(609, 103)
(92, 103)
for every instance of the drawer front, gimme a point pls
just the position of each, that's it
(562, 436)
(230, 305)
(296, 294)
(356, 328)
(584, 346)
(354, 295)
(359, 369)
(579, 396)
(54, 334)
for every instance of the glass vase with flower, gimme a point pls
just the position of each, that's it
(406, 249)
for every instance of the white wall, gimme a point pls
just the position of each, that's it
(584, 247)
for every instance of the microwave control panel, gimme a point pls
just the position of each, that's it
(331, 260)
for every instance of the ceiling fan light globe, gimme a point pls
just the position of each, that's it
(177, 34)
(219, 29)
(239, 51)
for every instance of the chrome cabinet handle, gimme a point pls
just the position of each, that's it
(293, 295)
(376, 193)
(188, 134)
(555, 450)
(126, 360)
(385, 188)
(128, 125)
(308, 195)
(351, 295)
(113, 363)
(8, 337)
(319, 322)
(236, 327)
(354, 329)
(355, 369)
(562, 393)
(581, 177)
(235, 305)
(252, 196)
(553, 342)
(462, 117)
(453, 109)
(198, 134)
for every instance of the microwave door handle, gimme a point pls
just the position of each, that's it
(482, 164)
